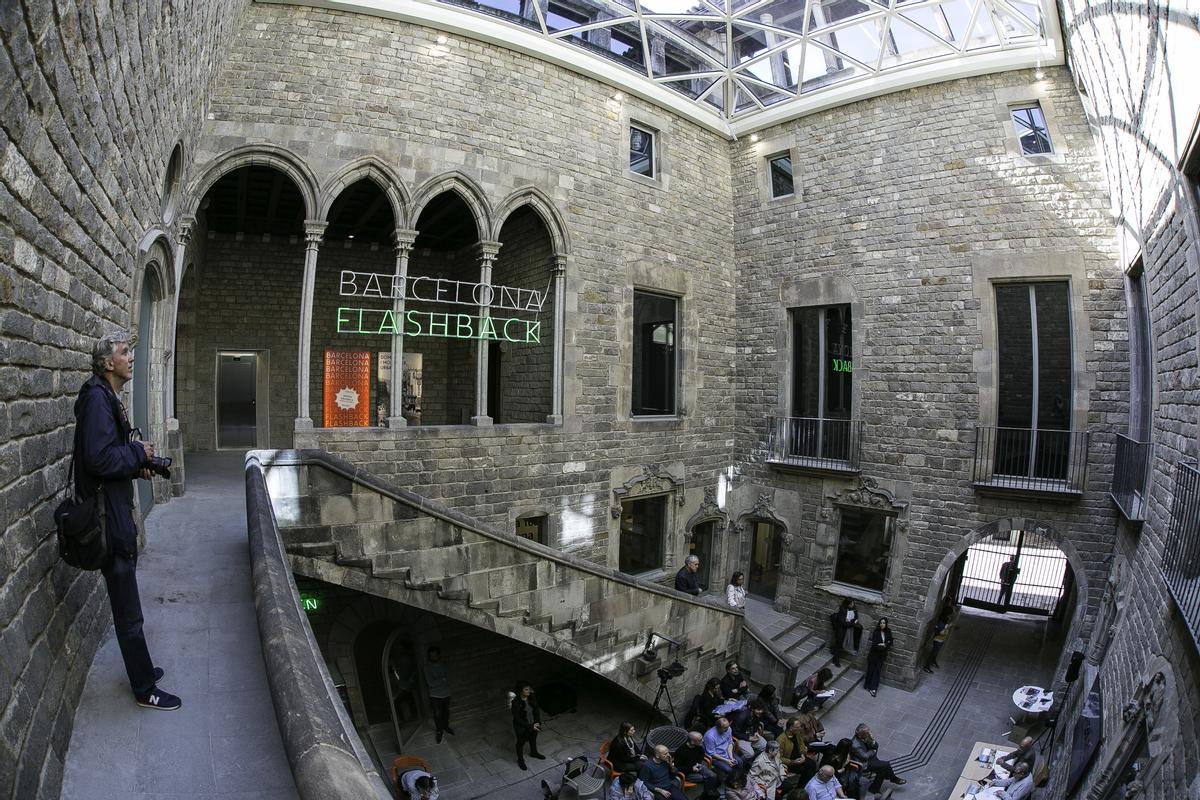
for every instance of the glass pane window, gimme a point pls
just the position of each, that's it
(643, 526)
(1034, 378)
(822, 362)
(782, 184)
(1141, 378)
(533, 528)
(864, 548)
(641, 151)
(654, 361)
(1030, 124)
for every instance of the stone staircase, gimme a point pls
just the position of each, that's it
(348, 527)
(781, 649)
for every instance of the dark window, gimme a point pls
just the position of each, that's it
(701, 546)
(782, 184)
(654, 362)
(1033, 322)
(533, 528)
(643, 524)
(765, 554)
(864, 548)
(1141, 380)
(641, 151)
(1030, 124)
(822, 382)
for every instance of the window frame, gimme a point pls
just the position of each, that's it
(890, 534)
(525, 516)
(1071, 349)
(677, 352)
(1016, 108)
(660, 564)
(653, 154)
(794, 372)
(770, 179)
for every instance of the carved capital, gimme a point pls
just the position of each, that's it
(187, 225)
(762, 511)
(402, 240)
(558, 265)
(487, 251)
(868, 495)
(314, 231)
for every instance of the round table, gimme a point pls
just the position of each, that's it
(1033, 699)
(668, 735)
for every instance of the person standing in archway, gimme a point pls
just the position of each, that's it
(1008, 578)
(881, 643)
(438, 683)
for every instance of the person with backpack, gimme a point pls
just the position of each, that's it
(106, 459)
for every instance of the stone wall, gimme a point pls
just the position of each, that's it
(1145, 122)
(906, 207)
(94, 101)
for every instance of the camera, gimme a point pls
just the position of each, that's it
(672, 670)
(159, 465)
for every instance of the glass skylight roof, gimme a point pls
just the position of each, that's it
(744, 56)
(740, 65)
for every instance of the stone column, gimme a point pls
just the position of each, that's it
(403, 240)
(314, 230)
(487, 255)
(558, 267)
(182, 239)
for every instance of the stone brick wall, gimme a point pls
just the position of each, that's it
(905, 207)
(94, 100)
(1142, 122)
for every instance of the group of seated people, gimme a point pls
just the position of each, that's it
(744, 748)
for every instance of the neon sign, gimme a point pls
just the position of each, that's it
(439, 290)
(843, 365)
(310, 603)
(446, 326)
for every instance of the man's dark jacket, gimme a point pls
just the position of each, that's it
(104, 454)
(687, 581)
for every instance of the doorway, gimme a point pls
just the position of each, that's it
(237, 400)
(765, 553)
(1015, 570)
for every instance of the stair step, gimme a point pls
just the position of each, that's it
(787, 634)
(804, 649)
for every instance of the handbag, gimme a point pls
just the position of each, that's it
(80, 527)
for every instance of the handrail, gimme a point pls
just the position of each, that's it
(1131, 468)
(286, 458)
(1040, 460)
(1181, 549)
(327, 757)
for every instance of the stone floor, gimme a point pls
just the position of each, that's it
(224, 743)
(194, 578)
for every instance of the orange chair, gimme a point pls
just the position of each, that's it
(604, 762)
(403, 764)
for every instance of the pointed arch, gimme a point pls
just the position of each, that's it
(466, 189)
(270, 155)
(544, 207)
(374, 169)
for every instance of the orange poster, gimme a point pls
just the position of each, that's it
(347, 388)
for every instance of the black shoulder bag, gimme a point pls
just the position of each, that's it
(79, 524)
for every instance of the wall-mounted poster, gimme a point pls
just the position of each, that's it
(347, 388)
(1088, 731)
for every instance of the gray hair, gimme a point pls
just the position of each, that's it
(106, 346)
(692, 560)
(862, 726)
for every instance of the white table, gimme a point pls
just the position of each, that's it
(1033, 700)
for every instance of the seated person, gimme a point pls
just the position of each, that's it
(689, 759)
(1024, 752)
(628, 787)
(824, 785)
(718, 745)
(1017, 787)
(741, 789)
(623, 750)
(747, 726)
(700, 714)
(734, 685)
(805, 696)
(417, 784)
(658, 774)
(865, 750)
(769, 773)
(794, 752)
(773, 716)
(847, 770)
(811, 729)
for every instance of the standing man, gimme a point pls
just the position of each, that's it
(106, 456)
(688, 577)
(527, 721)
(1008, 578)
(439, 691)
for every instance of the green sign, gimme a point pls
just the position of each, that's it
(843, 365)
(310, 603)
(445, 326)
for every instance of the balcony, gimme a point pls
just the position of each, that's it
(1130, 471)
(816, 446)
(1051, 464)
(1181, 551)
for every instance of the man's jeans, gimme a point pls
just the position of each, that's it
(705, 776)
(120, 574)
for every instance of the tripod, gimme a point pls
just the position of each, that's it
(663, 691)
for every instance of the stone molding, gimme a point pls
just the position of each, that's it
(763, 510)
(653, 481)
(1150, 715)
(709, 511)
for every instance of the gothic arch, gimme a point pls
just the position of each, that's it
(468, 192)
(280, 158)
(933, 595)
(763, 510)
(375, 170)
(544, 207)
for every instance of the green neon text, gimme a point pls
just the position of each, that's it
(843, 365)
(371, 321)
(310, 603)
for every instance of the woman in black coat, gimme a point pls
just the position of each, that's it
(623, 750)
(527, 721)
(881, 643)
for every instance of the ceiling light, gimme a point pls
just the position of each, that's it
(618, 97)
(754, 137)
(442, 39)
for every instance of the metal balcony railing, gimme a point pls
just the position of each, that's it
(1130, 472)
(833, 445)
(1029, 460)
(1181, 553)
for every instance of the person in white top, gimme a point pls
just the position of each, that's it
(735, 592)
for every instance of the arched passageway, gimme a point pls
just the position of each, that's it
(239, 313)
